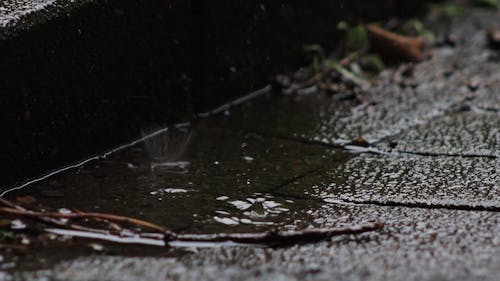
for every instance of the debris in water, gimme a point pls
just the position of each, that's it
(17, 224)
(226, 221)
(168, 190)
(267, 239)
(165, 237)
(248, 158)
(26, 200)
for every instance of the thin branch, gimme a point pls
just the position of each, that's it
(279, 238)
(109, 217)
(267, 239)
(165, 237)
(10, 204)
(49, 220)
(13, 246)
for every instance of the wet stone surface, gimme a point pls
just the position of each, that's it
(455, 83)
(228, 183)
(21, 14)
(432, 176)
(386, 110)
(444, 181)
(415, 245)
(469, 133)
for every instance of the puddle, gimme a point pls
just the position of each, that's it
(229, 185)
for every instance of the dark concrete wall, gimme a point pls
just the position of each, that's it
(94, 76)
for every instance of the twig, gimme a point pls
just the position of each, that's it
(343, 63)
(269, 239)
(353, 56)
(109, 217)
(314, 79)
(280, 238)
(166, 237)
(10, 204)
(13, 246)
(50, 220)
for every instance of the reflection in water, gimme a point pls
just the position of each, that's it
(255, 210)
(167, 149)
(162, 191)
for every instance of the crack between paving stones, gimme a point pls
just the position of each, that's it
(420, 205)
(385, 203)
(294, 179)
(433, 154)
(487, 109)
(454, 107)
(371, 150)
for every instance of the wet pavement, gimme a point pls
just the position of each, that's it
(431, 173)
(17, 15)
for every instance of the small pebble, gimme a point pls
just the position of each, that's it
(494, 37)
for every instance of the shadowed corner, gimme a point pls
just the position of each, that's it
(166, 150)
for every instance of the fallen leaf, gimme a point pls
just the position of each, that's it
(395, 46)
(26, 200)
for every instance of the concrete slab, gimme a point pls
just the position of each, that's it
(416, 245)
(19, 15)
(439, 182)
(441, 212)
(460, 134)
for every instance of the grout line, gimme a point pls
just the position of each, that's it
(294, 179)
(420, 205)
(432, 154)
(370, 149)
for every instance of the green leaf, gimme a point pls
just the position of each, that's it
(448, 10)
(342, 25)
(374, 62)
(315, 48)
(333, 64)
(316, 64)
(6, 234)
(416, 27)
(318, 55)
(357, 37)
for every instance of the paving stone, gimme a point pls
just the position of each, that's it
(432, 181)
(416, 244)
(465, 133)
(22, 14)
